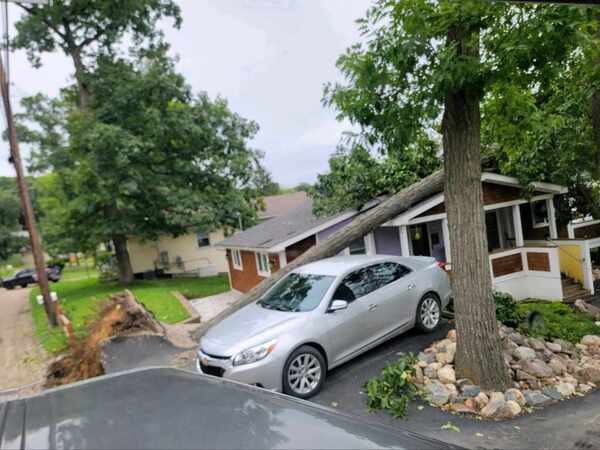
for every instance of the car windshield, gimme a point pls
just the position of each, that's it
(297, 292)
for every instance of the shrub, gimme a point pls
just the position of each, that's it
(507, 310)
(394, 388)
(560, 322)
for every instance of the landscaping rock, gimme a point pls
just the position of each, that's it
(524, 353)
(482, 400)
(516, 338)
(514, 408)
(552, 392)
(492, 408)
(588, 373)
(437, 393)
(566, 347)
(463, 408)
(452, 392)
(537, 344)
(446, 375)
(591, 340)
(553, 346)
(557, 366)
(537, 368)
(470, 390)
(451, 335)
(446, 357)
(426, 357)
(536, 398)
(419, 377)
(565, 389)
(584, 388)
(515, 395)
(495, 396)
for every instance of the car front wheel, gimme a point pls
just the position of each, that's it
(429, 313)
(304, 372)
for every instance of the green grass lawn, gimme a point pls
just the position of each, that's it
(81, 297)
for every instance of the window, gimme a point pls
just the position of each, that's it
(203, 239)
(539, 214)
(358, 247)
(236, 259)
(262, 264)
(386, 273)
(369, 279)
(297, 292)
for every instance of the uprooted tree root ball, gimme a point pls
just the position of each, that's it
(122, 316)
(542, 372)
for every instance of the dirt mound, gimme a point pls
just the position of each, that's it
(122, 316)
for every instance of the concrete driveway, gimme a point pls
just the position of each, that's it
(558, 426)
(22, 360)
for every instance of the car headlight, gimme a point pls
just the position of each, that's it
(254, 354)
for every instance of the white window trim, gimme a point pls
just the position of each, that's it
(542, 224)
(236, 266)
(262, 273)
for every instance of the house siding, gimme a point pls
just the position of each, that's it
(387, 241)
(144, 254)
(295, 250)
(244, 280)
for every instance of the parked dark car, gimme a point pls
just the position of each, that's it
(175, 409)
(25, 277)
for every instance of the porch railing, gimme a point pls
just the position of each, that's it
(527, 272)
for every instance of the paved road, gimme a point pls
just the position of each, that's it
(22, 360)
(558, 426)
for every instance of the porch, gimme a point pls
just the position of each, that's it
(521, 264)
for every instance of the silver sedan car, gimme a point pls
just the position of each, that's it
(320, 316)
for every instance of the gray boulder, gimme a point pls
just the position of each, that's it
(471, 390)
(536, 398)
(437, 393)
(537, 368)
(524, 353)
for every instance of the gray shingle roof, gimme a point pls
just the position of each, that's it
(279, 229)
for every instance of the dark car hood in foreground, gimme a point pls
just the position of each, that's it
(170, 408)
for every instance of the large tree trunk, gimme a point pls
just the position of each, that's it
(123, 261)
(339, 240)
(478, 351)
(82, 86)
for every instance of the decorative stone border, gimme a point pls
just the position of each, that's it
(542, 373)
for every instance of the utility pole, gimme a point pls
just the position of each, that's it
(36, 247)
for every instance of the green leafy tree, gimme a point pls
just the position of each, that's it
(10, 219)
(356, 176)
(148, 157)
(85, 29)
(426, 67)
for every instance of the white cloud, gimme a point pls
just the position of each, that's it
(268, 58)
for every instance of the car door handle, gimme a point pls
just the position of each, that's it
(373, 306)
(411, 287)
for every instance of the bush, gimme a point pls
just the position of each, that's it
(56, 262)
(394, 388)
(560, 322)
(507, 310)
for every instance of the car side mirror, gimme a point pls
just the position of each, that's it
(337, 305)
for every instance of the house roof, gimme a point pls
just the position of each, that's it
(269, 235)
(276, 234)
(278, 205)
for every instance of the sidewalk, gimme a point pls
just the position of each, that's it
(209, 307)
(22, 359)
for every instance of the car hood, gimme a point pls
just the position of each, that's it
(251, 325)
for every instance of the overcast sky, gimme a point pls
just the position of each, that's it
(268, 58)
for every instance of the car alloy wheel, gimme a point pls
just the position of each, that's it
(429, 313)
(304, 372)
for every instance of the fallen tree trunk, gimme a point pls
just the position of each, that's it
(362, 225)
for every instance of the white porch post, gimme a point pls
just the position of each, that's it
(516, 213)
(551, 218)
(446, 235)
(404, 243)
(282, 259)
(370, 244)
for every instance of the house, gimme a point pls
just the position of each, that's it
(195, 252)
(519, 221)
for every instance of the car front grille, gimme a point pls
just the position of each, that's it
(212, 370)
